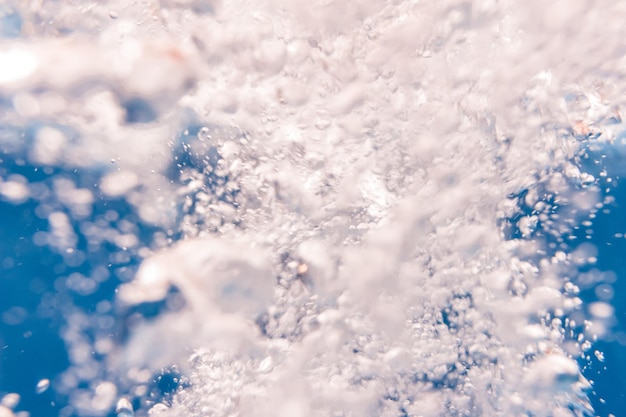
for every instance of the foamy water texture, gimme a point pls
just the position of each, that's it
(346, 179)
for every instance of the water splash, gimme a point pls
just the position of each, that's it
(363, 205)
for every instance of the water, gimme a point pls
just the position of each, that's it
(311, 208)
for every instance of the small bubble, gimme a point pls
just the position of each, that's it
(124, 408)
(266, 365)
(599, 355)
(42, 385)
(601, 310)
(302, 269)
(604, 291)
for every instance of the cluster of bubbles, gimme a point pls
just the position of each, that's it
(341, 208)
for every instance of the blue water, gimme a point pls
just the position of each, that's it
(609, 395)
(34, 298)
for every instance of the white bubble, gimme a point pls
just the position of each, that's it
(10, 400)
(599, 355)
(15, 191)
(42, 386)
(266, 365)
(601, 310)
(124, 408)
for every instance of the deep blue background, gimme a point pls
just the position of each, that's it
(609, 377)
(32, 278)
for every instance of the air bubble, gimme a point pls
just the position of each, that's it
(10, 400)
(124, 408)
(42, 386)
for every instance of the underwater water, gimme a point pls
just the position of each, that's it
(312, 208)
